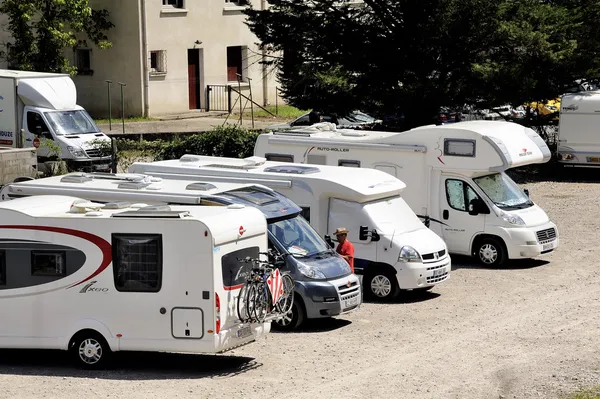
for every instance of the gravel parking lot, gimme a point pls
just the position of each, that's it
(528, 330)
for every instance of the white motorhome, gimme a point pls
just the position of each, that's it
(40, 110)
(94, 278)
(393, 249)
(578, 138)
(454, 174)
(324, 284)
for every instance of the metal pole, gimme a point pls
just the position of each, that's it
(276, 100)
(251, 101)
(122, 106)
(109, 82)
(239, 79)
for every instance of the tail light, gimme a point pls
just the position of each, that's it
(217, 313)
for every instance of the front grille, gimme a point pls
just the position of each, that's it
(432, 256)
(545, 236)
(346, 286)
(97, 152)
(437, 279)
(437, 267)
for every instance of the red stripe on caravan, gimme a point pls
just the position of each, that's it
(234, 287)
(101, 243)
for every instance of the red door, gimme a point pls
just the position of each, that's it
(194, 78)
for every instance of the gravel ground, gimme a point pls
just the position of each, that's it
(528, 330)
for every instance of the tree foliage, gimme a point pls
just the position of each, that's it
(389, 56)
(42, 29)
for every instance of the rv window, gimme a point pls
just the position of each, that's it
(2, 268)
(348, 162)
(234, 271)
(459, 147)
(306, 213)
(459, 194)
(48, 263)
(137, 262)
(279, 157)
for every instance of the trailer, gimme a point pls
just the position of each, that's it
(578, 139)
(98, 278)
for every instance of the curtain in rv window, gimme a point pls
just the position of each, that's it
(233, 270)
(47, 263)
(137, 262)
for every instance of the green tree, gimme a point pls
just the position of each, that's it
(43, 29)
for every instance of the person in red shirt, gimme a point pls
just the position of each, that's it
(345, 247)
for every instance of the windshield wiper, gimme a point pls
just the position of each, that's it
(327, 251)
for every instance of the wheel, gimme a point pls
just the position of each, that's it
(261, 298)
(285, 303)
(242, 303)
(490, 252)
(90, 350)
(292, 319)
(381, 284)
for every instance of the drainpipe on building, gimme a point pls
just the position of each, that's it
(145, 59)
(263, 6)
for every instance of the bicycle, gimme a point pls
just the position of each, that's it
(255, 301)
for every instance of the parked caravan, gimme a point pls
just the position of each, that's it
(93, 279)
(324, 284)
(578, 139)
(393, 249)
(454, 175)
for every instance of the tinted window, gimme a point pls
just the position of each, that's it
(306, 213)
(48, 263)
(137, 262)
(2, 268)
(302, 121)
(234, 271)
(349, 163)
(279, 157)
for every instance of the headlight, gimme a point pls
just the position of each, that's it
(310, 271)
(409, 254)
(513, 219)
(77, 152)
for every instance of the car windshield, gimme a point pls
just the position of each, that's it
(298, 237)
(503, 191)
(71, 122)
(392, 216)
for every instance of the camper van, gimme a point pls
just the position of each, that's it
(98, 278)
(454, 175)
(393, 248)
(324, 284)
(578, 139)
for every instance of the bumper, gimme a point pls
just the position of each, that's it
(330, 298)
(567, 156)
(93, 164)
(422, 275)
(525, 243)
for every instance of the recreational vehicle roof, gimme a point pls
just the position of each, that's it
(585, 102)
(514, 144)
(148, 189)
(347, 183)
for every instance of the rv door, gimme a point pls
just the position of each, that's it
(463, 214)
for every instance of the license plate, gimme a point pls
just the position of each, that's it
(439, 272)
(244, 332)
(593, 159)
(350, 302)
(548, 246)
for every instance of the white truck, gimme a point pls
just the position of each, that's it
(97, 278)
(39, 110)
(454, 175)
(578, 138)
(393, 248)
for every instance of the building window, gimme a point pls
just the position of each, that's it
(137, 262)
(173, 3)
(83, 61)
(48, 264)
(279, 157)
(236, 62)
(2, 268)
(158, 62)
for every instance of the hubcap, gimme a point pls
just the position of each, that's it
(381, 286)
(488, 253)
(286, 320)
(90, 351)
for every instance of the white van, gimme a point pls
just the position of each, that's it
(95, 279)
(393, 249)
(578, 139)
(324, 284)
(454, 174)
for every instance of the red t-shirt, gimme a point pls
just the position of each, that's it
(347, 249)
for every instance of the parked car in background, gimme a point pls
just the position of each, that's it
(356, 119)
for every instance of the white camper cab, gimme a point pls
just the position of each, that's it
(393, 249)
(93, 278)
(578, 138)
(454, 175)
(42, 107)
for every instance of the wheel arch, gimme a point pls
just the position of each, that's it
(93, 326)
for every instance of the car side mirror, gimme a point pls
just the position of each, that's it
(477, 206)
(526, 191)
(329, 241)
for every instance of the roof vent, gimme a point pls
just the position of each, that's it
(189, 158)
(200, 186)
(135, 185)
(352, 133)
(296, 169)
(117, 205)
(75, 178)
(161, 208)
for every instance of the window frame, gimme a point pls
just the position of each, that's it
(243, 63)
(270, 155)
(2, 267)
(349, 163)
(179, 4)
(447, 142)
(35, 253)
(115, 241)
(465, 188)
(160, 69)
(84, 71)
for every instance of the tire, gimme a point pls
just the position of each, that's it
(381, 285)
(261, 297)
(242, 303)
(90, 350)
(490, 252)
(285, 303)
(293, 319)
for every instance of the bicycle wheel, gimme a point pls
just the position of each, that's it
(242, 303)
(262, 301)
(286, 301)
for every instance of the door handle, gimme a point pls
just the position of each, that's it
(445, 214)
(27, 139)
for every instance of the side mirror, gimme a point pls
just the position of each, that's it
(526, 191)
(363, 233)
(329, 241)
(477, 206)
